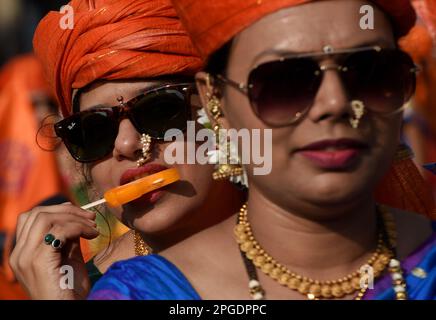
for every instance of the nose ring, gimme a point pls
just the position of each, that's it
(146, 147)
(359, 111)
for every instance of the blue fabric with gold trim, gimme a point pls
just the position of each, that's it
(155, 278)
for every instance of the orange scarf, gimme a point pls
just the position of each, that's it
(113, 40)
(212, 23)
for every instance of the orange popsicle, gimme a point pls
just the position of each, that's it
(123, 194)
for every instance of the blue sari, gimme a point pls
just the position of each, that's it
(155, 278)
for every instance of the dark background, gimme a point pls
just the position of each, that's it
(18, 21)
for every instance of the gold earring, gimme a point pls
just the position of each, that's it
(146, 146)
(359, 110)
(223, 170)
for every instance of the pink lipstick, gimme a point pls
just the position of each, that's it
(333, 154)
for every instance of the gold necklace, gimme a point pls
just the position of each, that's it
(141, 248)
(315, 289)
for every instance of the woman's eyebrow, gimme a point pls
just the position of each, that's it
(146, 88)
(115, 103)
(135, 93)
(97, 106)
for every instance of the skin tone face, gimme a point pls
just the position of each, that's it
(295, 183)
(170, 212)
(318, 223)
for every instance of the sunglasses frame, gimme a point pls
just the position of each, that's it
(328, 51)
(123, 111)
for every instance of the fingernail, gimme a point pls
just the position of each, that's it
(91, 212)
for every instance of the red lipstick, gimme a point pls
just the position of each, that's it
(145, 170)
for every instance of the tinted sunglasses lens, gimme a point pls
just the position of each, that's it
(89, 136)
(383, 80)
(159, 111)
(280, 90)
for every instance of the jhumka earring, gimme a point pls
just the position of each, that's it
(229, 169)
(146, 146)
(359, 110)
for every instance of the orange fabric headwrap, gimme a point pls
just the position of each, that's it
(426, 10)
(112, 40)
(213, 23)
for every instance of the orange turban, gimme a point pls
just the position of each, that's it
(213, 23)
(112, 40)
(426, 10)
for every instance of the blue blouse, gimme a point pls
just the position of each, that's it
(155, 278)
(149, 277)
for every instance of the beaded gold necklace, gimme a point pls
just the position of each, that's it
(141, 248)
(255, 256)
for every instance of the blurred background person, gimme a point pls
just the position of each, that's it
(420, 118)
(28, 175)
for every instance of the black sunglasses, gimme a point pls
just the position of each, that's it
(90, 135)
(282, 91)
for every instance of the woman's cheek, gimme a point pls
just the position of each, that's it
(101, 177)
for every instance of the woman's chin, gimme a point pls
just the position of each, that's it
(331, 189)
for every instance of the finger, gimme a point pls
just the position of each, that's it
(22, 218)
(63, 208)
(71, 231)
(37, 221)
(74, 231)
(67, 233)
(46, 221)
(15, 254)
(79, 211)
(27, 222)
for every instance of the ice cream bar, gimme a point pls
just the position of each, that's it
(123, 194)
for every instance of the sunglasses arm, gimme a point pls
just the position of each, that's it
(238, 86)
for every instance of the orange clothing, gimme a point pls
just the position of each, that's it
(10, 290)
(113, 40)
(28, 175)
(212, 23)
(426, 10)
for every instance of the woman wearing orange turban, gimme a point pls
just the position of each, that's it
(122, 75)
(28, 174)
(326, 79)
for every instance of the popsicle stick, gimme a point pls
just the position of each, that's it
(93, 204)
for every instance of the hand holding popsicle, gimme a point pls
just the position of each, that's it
(123, 194)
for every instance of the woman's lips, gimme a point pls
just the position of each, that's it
(333, 154)
(149, 198)
(332, 159)
(146, 170)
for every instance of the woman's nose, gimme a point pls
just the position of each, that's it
(127, 144)
(331, 102)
